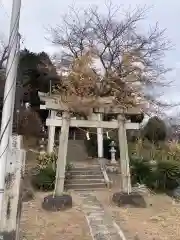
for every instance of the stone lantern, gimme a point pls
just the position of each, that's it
(42, 142)
(113, 152)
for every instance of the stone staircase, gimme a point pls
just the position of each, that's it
(86, 178)
(76, 151)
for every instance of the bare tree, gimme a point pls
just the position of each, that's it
(131, 60)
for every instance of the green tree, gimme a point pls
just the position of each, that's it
(35, 72)
(155, 130)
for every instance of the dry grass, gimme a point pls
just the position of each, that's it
(159, 221)
(37, 224)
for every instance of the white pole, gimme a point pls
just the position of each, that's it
(15, 66)
(8, 96)
(51, 134)
(100, 138)
(62, 154)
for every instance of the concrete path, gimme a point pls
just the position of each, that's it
(101, 225)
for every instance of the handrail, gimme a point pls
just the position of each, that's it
(103, 169)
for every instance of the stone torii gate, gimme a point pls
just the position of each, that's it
(53, 104)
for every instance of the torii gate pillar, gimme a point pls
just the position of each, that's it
(124, 156)
(100, 138)
(98, 116)
(51, 134)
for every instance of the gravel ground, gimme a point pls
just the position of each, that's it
(37, 224)
(159, 221)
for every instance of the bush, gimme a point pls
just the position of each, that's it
(159, 151)
(45, 179)
(47, 160)
(168, 174)
(163, 176)
(140, 171)
(173, 150)
(155, 130)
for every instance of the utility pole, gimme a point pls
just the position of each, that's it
(9, 92)
(15, 86)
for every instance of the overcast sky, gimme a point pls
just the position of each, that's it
(38, 15)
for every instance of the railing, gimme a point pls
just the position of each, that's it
(103, 169)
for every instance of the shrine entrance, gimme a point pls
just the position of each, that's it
(65, 121)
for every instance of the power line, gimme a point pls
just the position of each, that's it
(10, 46)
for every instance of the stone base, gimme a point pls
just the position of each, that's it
(133, 199)
(112, 169)
(8, 235)
(57, 203)
(113, 163)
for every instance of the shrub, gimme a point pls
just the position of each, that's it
(160, 151)
(47, 160)
(168, 174)
(173, 149)
(45, 179)
(155, 130)
(163, 176)
(140, 170)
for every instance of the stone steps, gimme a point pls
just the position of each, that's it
(85, 173)
(87, 168)
(86, 178)
(86, 181)
(86, 186)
